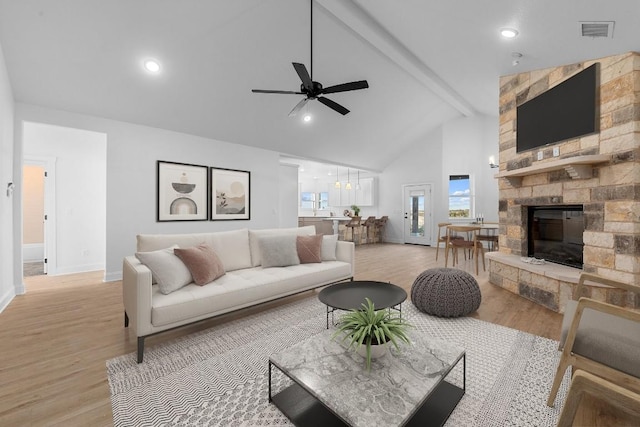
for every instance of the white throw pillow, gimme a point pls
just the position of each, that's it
(278, 251)
(167, 269)
(329, 243)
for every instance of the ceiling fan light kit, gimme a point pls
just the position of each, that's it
(314, 90)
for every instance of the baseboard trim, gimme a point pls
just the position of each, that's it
(77, 269)
(7, 298)
(32, 252)
(113, 276)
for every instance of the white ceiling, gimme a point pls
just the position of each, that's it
(426, 62)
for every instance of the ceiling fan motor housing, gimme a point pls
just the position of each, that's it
(315, 91)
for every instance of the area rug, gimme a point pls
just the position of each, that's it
(218, 377)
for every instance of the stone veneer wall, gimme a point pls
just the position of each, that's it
(611, 197)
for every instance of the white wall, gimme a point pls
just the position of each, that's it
(288, 196)
(460, 146)
(132, 152)
(80, 193)
(420, 164)
(467, 144)
(8, 286)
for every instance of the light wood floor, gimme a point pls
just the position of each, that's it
(55, 339)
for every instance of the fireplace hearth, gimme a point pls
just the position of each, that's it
(555, 234)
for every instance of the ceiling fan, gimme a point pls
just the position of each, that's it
(315, 90)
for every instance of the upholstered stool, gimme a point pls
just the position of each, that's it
(446, 292)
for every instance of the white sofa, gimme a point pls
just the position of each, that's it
(246, 282)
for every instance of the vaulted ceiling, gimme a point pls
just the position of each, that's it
(426, 62)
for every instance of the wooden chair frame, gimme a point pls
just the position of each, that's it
(355, 222)
(440, 238)
(586, 383)
(576, 361)
(369, 225)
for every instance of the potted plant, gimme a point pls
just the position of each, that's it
(369, 327)
(356, 210)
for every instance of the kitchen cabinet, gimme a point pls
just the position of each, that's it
(341, 197)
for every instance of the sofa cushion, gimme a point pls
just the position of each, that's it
(202, 262)
(155, 242)
(309, 248)
(168, 271)
(242, 288)
(254, 235)
(233, 248)
(278, 251)
(608, 339)
(329, 243)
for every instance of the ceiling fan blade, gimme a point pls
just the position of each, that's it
(333, 105)
(304, 75)
(285, 92)
(298, 107)
(345, 87)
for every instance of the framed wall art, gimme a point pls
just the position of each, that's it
(230, 194)
(182, 192)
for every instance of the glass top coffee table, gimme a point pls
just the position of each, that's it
(329, 385)
(351, 295)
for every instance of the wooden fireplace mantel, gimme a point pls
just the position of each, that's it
(578, 167)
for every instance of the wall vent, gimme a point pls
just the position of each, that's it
(596, 29)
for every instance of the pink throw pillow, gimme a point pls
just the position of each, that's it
(309, 248)
(202, 262)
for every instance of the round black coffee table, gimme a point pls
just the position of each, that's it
(351, 296)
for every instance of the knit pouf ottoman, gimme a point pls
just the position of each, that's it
(446, 292)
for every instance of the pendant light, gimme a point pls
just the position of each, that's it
(358, 183)
(348, 186)
(337, 184)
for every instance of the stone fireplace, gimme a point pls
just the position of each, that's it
(600, 173)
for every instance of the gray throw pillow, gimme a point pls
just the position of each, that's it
(329, 243)
(167, 269)
(278, 251)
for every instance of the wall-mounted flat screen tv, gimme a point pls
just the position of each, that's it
(568, 110)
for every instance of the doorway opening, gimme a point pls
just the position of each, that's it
(37, 198)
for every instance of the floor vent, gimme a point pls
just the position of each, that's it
(596, 29)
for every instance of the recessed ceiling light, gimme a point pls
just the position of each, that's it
(508, 33)
(152, 66)
(307, 118)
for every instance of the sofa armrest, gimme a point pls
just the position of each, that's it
(136, 294)
(346, 252)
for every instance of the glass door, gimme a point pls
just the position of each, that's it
(417, 214)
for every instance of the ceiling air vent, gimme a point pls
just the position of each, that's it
(596, 29)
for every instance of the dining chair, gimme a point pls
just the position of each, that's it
(600, 338)
(369, 226)
(442, 236)
(353, 224)
(379, 227)
(490, 236)
(464, 237)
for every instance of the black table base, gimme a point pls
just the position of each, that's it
(304, 410)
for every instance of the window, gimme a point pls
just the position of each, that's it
(308, 200)
(460, 197)
(323, 200)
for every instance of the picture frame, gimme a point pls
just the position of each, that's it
(230, 196)
(182, 192)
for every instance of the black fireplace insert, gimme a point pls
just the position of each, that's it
(555, 234)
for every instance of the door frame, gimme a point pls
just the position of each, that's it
(427, 240)
(49, 165)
